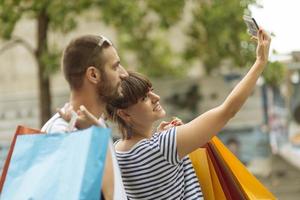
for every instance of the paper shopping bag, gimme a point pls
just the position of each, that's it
(217, 188)
(230, 187)
(248, 184)
(57, 166)
(201, 167)
(214, 184)
(21, 130)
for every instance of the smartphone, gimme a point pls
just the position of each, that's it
(251, 25)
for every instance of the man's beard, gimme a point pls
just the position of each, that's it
(106, 91)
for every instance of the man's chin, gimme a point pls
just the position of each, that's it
(113, 96)
(120, 93)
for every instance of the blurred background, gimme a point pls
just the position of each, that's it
(195, 52)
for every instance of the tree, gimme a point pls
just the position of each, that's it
(218, 32)
(215, 33)
(49, 15)
(56, 15)
(274, 74)
(143, 27)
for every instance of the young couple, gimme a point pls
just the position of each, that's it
(153, 165)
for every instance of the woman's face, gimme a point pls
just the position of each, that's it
(146, 110)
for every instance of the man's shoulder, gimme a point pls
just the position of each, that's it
(55, 124)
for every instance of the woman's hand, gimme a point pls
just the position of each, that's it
(167, 125)
(263, 46)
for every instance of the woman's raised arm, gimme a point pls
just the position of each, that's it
(200, 130)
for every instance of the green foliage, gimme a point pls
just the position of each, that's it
(51, 59)
(142, 29)
(274, 73)
(61, 16)
(169, 11)
(10, 13)
(218, 32)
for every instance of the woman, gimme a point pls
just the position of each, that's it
(156, 165)
(150, 166)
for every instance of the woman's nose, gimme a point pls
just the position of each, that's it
(154, 97)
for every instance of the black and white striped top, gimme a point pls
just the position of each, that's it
(153, 170)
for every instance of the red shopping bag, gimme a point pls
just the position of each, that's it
(21, 130)
(230, 187)
(230, 179)
(248, 184)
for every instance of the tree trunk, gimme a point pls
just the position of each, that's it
(43, 77)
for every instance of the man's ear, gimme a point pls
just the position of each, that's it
(124, 115)
(93, 74)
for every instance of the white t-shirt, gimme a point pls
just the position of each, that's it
(56, 124)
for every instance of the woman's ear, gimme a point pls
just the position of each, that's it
(93, 74)
(123, 115)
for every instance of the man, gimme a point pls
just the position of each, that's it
(93, 71)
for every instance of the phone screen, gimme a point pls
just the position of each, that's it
(251, 25)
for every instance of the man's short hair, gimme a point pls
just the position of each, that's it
(81, 53)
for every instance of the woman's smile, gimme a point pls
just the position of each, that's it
(157, 107)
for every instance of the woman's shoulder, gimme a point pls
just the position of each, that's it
(127, 146)
(122, 145)
(163, 133)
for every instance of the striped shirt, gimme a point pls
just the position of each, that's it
(152, 170)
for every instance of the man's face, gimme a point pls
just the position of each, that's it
(111, 75)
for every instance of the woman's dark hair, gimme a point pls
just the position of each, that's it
(134, 87)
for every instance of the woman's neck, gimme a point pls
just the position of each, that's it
(136, 136)
(142, 132)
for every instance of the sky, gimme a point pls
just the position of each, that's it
(282, 17)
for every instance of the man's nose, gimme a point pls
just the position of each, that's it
(123, 72)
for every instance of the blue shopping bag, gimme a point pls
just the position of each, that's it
(63, 166)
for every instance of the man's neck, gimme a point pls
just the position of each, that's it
(90, 101)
